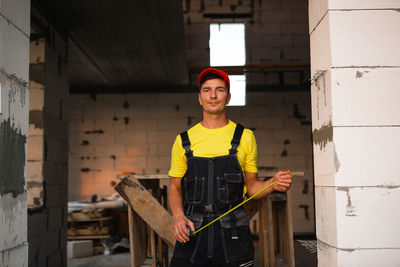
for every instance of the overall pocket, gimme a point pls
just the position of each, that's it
(193, 188)
(230, 187)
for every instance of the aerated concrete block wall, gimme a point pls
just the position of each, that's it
(276, 31)
(115, 133)
(48, 152)
(355, 64)
(14, 112)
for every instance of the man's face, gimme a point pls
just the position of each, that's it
(214, 96)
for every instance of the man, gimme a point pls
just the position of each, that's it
(213, 165)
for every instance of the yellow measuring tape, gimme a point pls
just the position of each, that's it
(237, 206)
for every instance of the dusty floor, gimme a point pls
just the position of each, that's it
(305, 256)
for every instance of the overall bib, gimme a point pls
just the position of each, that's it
(210, 187)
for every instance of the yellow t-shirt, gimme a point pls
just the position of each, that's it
(213, 143)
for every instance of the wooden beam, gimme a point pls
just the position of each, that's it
(147, 207)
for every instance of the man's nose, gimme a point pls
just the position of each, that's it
(213, 93)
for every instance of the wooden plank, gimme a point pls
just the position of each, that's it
(88, 237)
(271, 248)
(153, 247)
(89, 231)
(264, 233)
(131, 237)
(88, 219)
(147, 207)
(291, 260)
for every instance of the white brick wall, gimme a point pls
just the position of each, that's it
(143, 145)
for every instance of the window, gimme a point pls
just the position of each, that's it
(227, 48)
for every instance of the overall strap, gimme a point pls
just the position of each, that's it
(186, 144)
(236, 138)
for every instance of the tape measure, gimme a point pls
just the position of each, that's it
(229, 211)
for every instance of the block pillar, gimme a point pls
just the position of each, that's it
(14, 124)
(355, 68)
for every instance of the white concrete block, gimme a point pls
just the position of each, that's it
(369, 257)
(325, 219)
(35, 148)
(174, 124)
(161, 162)
(18, 13)
(36, 51)
(166, 137)
(366, 217)
(363, 4)
(138, 124)
(109, 150)
(16, 256)
(321, 100)
(130, 164)
(80, 150)
(320, 47)
(36, 98)
(362, 97)
(81, 126)
(276, 16)
(34, 171)
(80, 248)
(13, 218)
(317, 9)
(96, 113)
(130, 138)
(291, 135)
(140, 150)
(373, 34)
(367, 152)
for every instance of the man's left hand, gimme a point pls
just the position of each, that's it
(285, 180)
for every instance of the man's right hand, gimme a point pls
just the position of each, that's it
(181, 233)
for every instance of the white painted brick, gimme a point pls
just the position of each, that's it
(101, 139)
(195, 17)
(262, 55)
(197, 29)
(164, 149)
(87, 179)
(35, 148)
(300, 148)
(33, 131)
(81, 248)
(14, 51)
(365, 210)
(365, 96)
(300, 16)
(18, 12)
(130, 138)
(74, 166)
(263, 135)
(301, 41)
(269, 148)
(33, 193)
(270, 5)
(75, 113)
(255, 78)
(265, 161)
(108, 150)
(264, 28)
(296, 53)
(106, 176)
(135, 164)
(253, 40)
(81, 100)
(367, 152)
(365, 49)
(110, 100)
(291, 78)
(297, 97)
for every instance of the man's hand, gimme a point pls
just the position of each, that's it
(285, 180)
(180, 231)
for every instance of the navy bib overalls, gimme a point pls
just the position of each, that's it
(210, 187)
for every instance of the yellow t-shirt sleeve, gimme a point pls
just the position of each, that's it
(251, 153)
(178, 159)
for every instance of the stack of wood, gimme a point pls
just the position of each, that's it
(95, 225)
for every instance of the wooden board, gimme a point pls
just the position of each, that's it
(147, 207)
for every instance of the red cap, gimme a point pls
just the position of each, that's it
(220, 73)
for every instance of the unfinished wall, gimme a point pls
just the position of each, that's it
(112, 134)
(14, 110)
(48, 152)
(355, 64)
(276, 32)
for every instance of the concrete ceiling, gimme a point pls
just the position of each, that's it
(121, 45)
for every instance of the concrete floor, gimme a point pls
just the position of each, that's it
(305, 256)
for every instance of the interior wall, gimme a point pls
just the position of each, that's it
(113, 134)
(48, 152)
